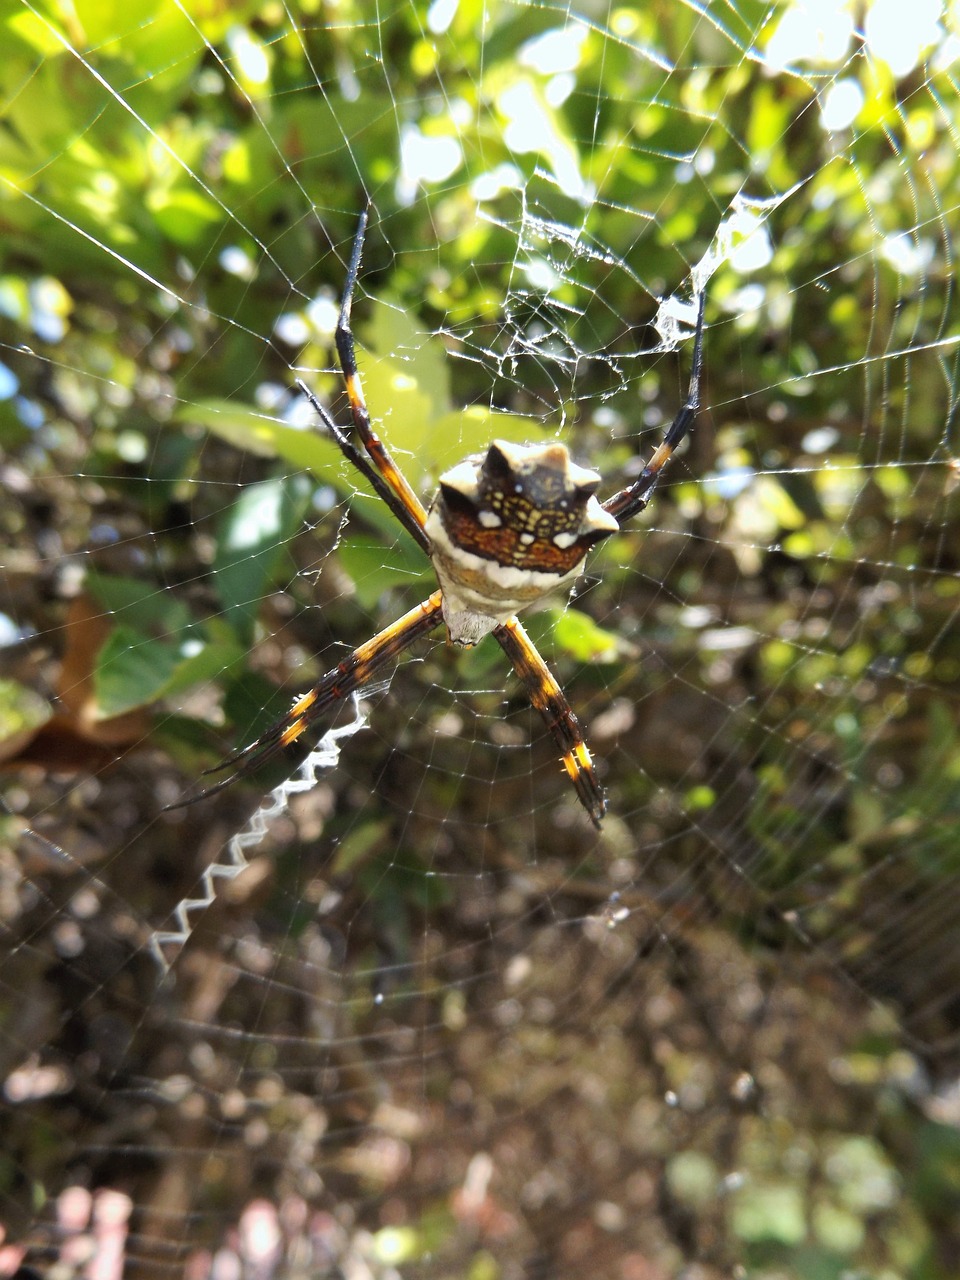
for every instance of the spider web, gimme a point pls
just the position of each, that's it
(414, 1017)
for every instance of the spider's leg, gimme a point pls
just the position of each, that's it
(628, 502)
(394, 477)
(363, 464)
(356, 670)
(547, 696)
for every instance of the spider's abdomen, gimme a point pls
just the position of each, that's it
(508, 527)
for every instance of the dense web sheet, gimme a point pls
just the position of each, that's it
(396, 1008)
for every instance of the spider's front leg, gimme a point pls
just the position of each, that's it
(410, 504)
(632, 500)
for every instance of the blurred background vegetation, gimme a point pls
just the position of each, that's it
(437, 1027)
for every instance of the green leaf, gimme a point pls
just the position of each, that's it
(141, 606)
(201, 661)
(132, 671)
(136, 670)
(583, 639)
(402, 411)
(774, 1211)
(457, 435)
(358, 846)
(183, 215)
(252, 541)
(421, 357)
(263, 435)
(375, 568)
(836, 1227)
(22, 712)
(34, 31)
(304, 449)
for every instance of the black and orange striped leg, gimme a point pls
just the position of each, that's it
(547, 696)
(374, 446)
(356, 670)
(362, 463)
(632, 500)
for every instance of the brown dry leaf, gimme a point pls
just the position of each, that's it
(75, 738)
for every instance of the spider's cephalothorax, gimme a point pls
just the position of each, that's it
(506, 528)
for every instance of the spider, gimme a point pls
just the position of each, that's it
(504, 529)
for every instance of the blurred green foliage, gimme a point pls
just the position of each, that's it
(180, 187)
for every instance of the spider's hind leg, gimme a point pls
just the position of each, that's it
(355, 671)
(547, 696)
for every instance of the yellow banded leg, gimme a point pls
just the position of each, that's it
(356, 670)
(358, 405)
(547, 696)
(630, 501)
